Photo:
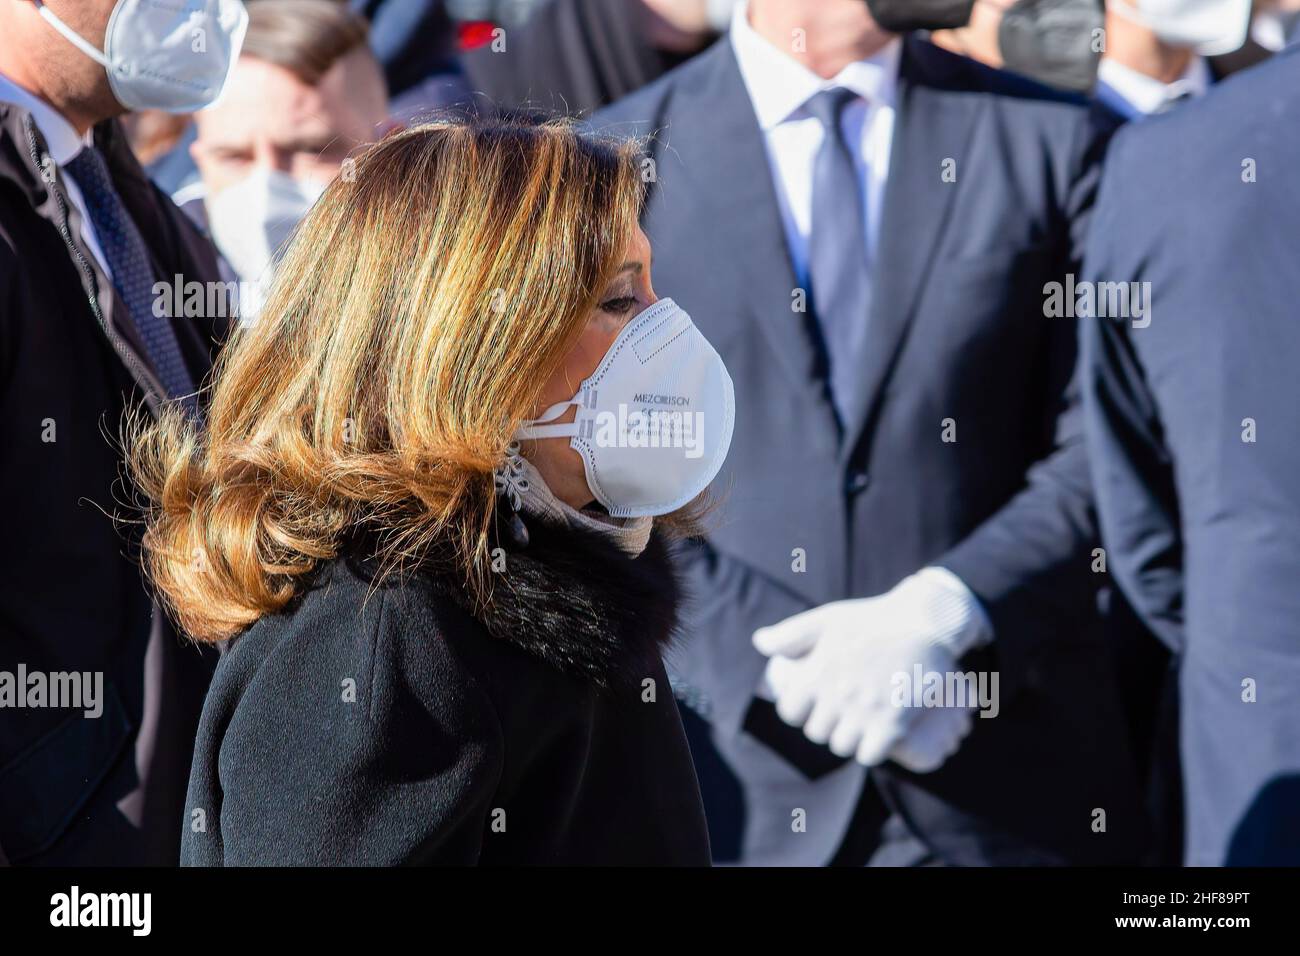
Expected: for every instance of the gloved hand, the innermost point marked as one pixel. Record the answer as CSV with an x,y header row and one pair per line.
x,y
833,669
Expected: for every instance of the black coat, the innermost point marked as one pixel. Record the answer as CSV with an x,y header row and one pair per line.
x,y
77,790
392,724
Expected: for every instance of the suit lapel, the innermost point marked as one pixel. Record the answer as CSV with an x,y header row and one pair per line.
x,y
928,129
722,151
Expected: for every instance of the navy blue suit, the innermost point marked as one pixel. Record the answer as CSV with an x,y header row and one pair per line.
x,y
1194,443
957,332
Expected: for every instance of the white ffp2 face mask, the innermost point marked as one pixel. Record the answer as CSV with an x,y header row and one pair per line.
x,y
251,219
654,420
170,55
1210,27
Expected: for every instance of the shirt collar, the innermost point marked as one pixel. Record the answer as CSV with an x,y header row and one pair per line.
x,y
631,535
1146,94
779,85
60,136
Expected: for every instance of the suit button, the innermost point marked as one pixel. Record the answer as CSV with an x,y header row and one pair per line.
x,y
856,482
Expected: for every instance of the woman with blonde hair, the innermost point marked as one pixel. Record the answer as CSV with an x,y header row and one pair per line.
x,y
426,520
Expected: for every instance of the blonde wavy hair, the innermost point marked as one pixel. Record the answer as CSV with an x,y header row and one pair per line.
x,y
420,308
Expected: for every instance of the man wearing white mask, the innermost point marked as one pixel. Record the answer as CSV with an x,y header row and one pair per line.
x,y
96,775
306,92
1156,51
1276,24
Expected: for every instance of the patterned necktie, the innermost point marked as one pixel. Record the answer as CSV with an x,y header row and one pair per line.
x,y
837,254
133,277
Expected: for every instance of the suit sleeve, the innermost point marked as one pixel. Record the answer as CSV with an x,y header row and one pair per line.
x,y
1132,470
1030,562
725,602
1134,480
402,772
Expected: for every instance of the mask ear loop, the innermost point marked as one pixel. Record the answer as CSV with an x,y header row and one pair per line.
x,y
72,36
542,427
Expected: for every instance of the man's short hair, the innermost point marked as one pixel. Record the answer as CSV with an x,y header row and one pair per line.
x,y
305,37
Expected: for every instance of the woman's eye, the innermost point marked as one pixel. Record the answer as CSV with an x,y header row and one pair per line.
x,y
619,306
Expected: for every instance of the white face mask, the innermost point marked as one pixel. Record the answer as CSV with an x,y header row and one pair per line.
x,y
1210,27
654,420
253,218
170,55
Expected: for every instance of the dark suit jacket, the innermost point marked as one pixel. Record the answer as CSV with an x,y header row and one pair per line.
x,y
569,57
957,332
1201,524
107,789
412,39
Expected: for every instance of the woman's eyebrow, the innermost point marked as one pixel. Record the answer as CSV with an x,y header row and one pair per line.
x,y
636,267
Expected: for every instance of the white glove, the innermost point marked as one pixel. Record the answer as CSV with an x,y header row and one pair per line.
x,y
833,669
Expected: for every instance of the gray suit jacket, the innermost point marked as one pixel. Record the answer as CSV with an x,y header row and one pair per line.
x,y
958,332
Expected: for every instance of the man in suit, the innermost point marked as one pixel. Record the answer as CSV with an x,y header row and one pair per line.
x,y
907,463
1191,431
1158,55
101,698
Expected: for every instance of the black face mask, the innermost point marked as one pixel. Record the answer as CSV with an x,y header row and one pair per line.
x,y
899,16
1052,41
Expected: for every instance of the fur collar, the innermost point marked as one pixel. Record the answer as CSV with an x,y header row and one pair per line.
x,y
577,601
571,598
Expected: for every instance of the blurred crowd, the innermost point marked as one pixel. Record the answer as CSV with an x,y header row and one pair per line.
x,y
925,454
348,75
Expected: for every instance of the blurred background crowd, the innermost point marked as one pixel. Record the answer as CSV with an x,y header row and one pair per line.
x,y
993,538
313,83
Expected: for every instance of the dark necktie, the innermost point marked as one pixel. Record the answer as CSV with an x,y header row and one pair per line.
x,y
133,277
837,254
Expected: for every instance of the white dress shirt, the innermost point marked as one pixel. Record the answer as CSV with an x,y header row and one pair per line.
x,y
1133,94
779,88
63,143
